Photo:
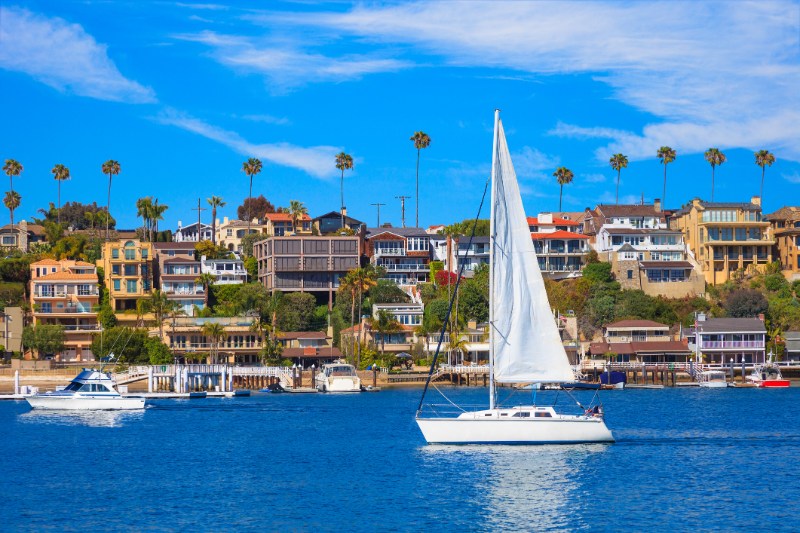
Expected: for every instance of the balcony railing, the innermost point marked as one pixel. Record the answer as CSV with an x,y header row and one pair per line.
x,y
722,345
82,327
390,252
409,267
80,309
220,273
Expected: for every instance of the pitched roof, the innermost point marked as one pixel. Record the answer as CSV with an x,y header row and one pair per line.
x,y
559,234
46,262
639,231
598,348
348,220
635,210
785,213
728,325
286,335
401,232
284,217
637,324
174,245
181,259
556,222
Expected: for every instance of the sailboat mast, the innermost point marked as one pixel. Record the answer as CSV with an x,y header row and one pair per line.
x,y
491,265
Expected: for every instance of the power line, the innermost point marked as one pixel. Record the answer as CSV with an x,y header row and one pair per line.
x,y
403,208
378,205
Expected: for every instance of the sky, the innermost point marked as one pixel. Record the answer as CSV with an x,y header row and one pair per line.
x,y
182,93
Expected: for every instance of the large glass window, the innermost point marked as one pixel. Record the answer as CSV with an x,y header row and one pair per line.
x,y
131,285
719,215
115,253
116,284
418,244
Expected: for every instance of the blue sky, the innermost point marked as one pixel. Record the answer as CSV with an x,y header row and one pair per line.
x,y
182,93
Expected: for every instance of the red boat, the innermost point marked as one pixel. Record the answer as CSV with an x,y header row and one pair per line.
x,y
768,377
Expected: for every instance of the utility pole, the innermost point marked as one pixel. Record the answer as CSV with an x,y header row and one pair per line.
x,y
403,208
378,205
198,209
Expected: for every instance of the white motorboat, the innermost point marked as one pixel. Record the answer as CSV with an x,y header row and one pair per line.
x,y
713,379
768,377
89,390
524,345
337,377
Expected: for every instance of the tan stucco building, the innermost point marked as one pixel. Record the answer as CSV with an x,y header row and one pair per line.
x,y
725,237
785,224
128,273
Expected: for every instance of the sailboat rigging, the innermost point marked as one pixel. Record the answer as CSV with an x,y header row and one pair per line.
x,y
524,345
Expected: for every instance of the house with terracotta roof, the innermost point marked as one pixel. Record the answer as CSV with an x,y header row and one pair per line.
x,y
560,249
640,341
785,224
66,293
280,224
404,253
725,238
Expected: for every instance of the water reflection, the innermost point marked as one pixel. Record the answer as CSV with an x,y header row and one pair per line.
x,y
530,488
110,419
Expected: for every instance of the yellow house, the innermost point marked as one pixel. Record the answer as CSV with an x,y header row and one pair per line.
x,y
725,237
128,273
786,227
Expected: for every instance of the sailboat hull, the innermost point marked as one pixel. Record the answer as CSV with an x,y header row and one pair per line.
x,y
492,427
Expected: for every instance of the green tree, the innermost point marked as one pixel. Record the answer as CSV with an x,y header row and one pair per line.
x,y
12,201
161,306
564,176
385,324
618,162
125,343
214,332
214,202
60,173
210,250
474,296
258,204
667,155
386,291
421,141
763,159
343,162
206,280
715,158
144,209
251,167
46,339
297,210
745,303
157,352
296,311
598,273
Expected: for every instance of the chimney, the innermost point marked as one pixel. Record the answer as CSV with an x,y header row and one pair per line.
x,y
216,222
760,315
657,205
180,225
225,220
756,200
344,210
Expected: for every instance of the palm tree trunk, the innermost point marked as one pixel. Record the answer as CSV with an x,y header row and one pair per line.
x,y
664,195
618,172
712,183
341,191
11,211
761,194
416,197
249,205
58,218
560,194
214,225
108,206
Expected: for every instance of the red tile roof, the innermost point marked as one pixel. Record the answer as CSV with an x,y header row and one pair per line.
x,y
556,222
284,217
324,352
560,234
302,335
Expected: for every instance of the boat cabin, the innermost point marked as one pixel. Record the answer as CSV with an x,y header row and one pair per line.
x,y
339,370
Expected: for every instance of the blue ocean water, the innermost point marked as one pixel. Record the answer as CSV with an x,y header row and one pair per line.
x,y
685,460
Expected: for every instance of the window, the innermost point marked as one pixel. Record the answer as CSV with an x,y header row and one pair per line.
x,y
115,270
115,253
630,274
116,284
131,285
418,244
229,232
130,254
719,216
130,270
9,240
144,253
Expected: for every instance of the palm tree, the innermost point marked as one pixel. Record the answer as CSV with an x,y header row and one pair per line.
x,y
251,167
144,209
618,162
214,202
12,168
110,168
421,140
365,278
564,176
215,333
156,214
206,279
385,324
348,285
60,173
763,159
667,155
343,162
297,210
12,201
161,306
714,158
91,218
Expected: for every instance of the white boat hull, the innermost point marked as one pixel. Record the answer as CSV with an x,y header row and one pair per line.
x,y
713,384
561,430
78,403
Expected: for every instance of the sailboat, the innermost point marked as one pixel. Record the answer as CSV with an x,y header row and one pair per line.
x,y
525,347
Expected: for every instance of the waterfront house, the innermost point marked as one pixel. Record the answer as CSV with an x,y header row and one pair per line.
x,y
21,236
185,337
190,232
792,351
305,348
225,271
306,263
640,341
178,281
331,223
66,293
560,249
725,238
785,224
726,340
11,326
403,252
128,272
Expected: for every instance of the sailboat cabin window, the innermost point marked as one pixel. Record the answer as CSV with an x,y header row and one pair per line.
x,y
522,414
543,414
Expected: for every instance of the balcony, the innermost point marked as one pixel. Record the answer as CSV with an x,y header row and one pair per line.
x,y
221,273
82,328
394,251
404,267
72,310
731,345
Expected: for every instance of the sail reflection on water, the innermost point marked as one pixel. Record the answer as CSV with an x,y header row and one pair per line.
x,y
523,490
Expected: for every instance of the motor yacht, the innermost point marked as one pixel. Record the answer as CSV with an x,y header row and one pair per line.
x,y
89,390
768,377
337,377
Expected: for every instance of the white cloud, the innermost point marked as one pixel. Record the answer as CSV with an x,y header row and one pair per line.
x,y
63,56
288,65
318,161
592,178
530,163
722,73
792,178
267,119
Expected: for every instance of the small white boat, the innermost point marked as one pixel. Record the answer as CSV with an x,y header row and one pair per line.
x,y
337,377
713,379
768,377
89,390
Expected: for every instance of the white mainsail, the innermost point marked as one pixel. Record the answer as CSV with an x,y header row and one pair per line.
x,y
525,342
